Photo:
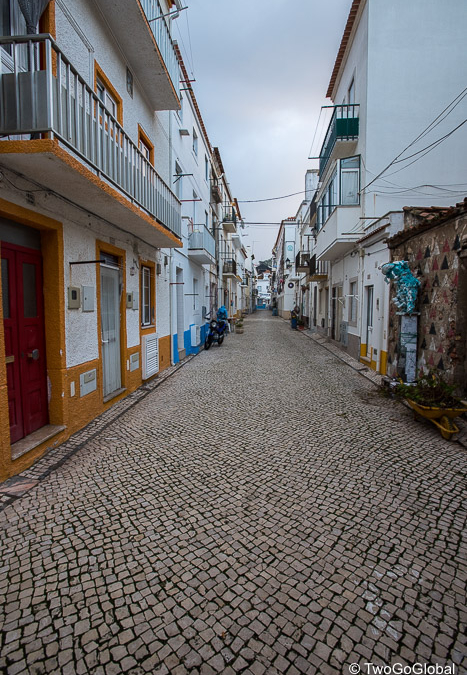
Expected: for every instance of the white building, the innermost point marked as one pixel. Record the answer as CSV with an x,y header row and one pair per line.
x,y
284,255
192,269
86,206
393,139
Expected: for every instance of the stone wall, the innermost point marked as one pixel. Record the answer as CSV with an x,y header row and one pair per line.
x,y
432,243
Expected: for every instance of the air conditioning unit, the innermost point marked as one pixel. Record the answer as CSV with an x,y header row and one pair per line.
x,y
150,350
195,335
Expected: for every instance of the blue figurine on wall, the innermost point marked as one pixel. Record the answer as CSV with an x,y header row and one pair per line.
x,y
406,285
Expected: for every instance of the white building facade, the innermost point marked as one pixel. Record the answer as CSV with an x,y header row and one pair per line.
x,y
393,139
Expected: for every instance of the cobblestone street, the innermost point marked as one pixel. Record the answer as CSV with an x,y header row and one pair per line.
x,y
264,510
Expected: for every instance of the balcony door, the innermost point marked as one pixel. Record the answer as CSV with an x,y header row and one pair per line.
x,y
110,329
23,321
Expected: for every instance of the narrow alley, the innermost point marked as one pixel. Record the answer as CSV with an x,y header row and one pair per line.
x,y
264,510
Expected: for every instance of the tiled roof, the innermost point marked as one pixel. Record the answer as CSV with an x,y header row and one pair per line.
x,y
370,234
344,42
429,216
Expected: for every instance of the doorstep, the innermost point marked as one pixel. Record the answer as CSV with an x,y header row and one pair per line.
x,y
30,442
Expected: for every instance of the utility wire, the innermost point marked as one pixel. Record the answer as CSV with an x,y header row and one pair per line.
x,y
431,126
269,199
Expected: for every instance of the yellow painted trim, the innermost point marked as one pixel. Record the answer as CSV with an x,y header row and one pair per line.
x,y
362,350
121,254
54,320
384,363
142,136
165,352
99,74
53,146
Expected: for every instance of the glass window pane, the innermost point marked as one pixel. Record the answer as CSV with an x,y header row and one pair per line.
x,y
5,27
29,291
350,162
349,187
5,289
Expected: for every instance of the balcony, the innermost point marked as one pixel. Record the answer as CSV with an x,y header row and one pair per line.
x,y
147,47
216,194
78,149
341,135
229,221
244,282
229,269
202,246
302,262
338,236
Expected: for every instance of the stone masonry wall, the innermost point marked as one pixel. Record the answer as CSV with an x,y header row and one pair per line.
x,y
433,256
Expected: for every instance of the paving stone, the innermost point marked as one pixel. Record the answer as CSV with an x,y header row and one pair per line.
x,y
211,529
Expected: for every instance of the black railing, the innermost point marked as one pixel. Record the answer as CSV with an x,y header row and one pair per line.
x,y
229,267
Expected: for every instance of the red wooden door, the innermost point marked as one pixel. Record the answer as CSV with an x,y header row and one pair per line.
x,y
23,315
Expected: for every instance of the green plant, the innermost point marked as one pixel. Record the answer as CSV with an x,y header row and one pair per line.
x,y
430,390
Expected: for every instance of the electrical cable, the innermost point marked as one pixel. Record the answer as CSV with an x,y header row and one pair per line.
x,y
269,199
460,96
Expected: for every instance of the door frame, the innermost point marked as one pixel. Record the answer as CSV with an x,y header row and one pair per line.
x,y
104,247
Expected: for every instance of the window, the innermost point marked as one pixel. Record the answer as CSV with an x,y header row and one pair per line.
x,y
350,179
206,168
106,98
107,94
353,302
178,180
195,294
341,190
206,219
351,92
147,305
195,201
195,142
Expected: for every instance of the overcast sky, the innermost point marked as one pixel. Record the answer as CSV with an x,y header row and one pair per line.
x,y
262,69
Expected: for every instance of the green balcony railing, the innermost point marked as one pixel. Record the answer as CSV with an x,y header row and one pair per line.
x,y
344,126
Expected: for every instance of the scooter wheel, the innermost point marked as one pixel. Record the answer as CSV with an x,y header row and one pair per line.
x,y
220,340
208,342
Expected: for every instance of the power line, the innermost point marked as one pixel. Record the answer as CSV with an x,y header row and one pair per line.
x,y
431,126
269,199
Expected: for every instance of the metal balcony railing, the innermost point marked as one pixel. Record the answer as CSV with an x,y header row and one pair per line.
x,y
161,33
343,126
302,261
44,94
202,239
229,215
229,267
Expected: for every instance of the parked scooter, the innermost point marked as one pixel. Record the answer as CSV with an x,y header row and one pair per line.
x,y
217,328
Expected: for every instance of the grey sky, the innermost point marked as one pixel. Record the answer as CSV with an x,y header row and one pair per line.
x,y
262,70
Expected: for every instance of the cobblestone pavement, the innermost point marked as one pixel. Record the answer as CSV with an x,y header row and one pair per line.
x,y
262,511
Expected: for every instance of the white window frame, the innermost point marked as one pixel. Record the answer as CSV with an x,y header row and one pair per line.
x,y
195,142
146,297
106,97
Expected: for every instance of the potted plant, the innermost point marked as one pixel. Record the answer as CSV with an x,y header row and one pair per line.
x,y
239,326
432,398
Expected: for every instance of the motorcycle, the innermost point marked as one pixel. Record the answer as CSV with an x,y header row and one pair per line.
x,y
216,332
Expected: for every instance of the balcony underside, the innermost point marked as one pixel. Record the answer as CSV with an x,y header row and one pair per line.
x,y
229,227
200,256
338,248
229,275
128,23
341,149
49,164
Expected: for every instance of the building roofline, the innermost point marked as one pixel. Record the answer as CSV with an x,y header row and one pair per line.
x,y
189,88
430,216
343,46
